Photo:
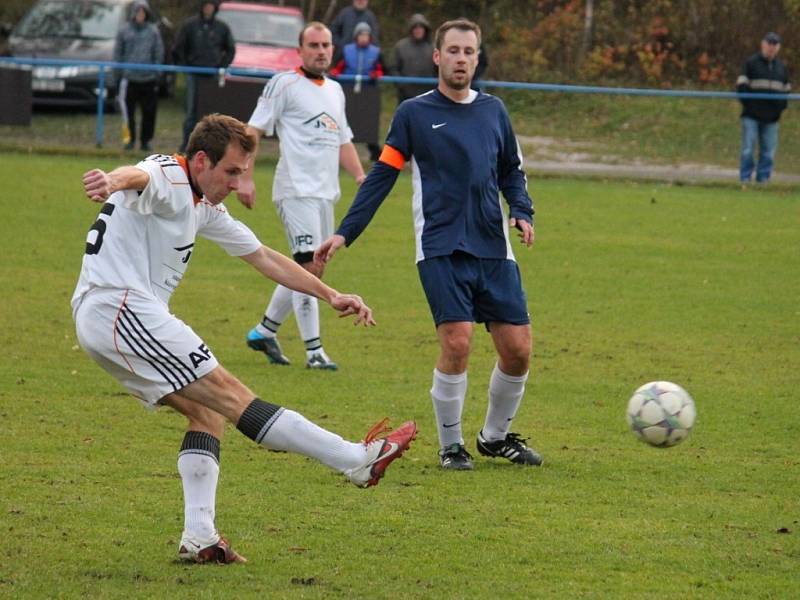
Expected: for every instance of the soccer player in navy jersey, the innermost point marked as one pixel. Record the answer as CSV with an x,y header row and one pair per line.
x,y
463,153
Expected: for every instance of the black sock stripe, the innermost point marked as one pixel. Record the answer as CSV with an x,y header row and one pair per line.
x,y
179,362
122,330
270,324
158,350
313,344
257,419
145,350
200,442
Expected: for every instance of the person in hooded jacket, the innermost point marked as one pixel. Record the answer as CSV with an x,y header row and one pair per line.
x,y
202,41
413,57
139,41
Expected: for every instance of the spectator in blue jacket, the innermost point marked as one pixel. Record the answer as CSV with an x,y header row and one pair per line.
x,y
362,58
139,41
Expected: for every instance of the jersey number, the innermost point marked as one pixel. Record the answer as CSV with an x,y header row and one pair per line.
x,y
94,242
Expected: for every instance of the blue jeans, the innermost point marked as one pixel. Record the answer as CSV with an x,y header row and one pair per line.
x,y
766,134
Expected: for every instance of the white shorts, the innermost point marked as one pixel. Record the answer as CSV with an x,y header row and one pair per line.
x,y
307,221
138,341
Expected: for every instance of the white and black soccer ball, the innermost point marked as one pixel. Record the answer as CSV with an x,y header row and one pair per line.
x,y
661,413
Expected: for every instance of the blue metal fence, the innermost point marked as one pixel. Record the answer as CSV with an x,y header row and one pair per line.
x,y
105,66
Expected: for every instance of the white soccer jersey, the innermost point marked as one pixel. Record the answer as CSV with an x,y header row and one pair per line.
x,y
309,117
143,241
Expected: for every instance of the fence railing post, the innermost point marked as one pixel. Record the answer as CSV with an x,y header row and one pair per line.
x,y
101,106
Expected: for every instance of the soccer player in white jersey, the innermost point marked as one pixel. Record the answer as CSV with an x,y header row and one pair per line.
x,y
136,255
307,111
463,153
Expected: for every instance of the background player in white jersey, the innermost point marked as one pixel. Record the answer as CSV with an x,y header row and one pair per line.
x,y
463,153
136,254
307,111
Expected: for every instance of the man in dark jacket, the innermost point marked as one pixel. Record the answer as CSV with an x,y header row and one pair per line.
x,y
345,23
203,41
139,41
413,57
762,73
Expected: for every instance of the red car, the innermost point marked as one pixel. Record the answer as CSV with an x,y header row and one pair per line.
x,y
265,34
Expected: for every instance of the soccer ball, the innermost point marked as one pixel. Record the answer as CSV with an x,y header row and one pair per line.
x,y
661,413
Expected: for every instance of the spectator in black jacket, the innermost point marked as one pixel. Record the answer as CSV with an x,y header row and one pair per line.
x,y
345,23
762,73
413,57
203,41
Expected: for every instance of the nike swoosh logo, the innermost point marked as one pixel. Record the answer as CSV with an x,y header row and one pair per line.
x,y
437,125
446,426
393,448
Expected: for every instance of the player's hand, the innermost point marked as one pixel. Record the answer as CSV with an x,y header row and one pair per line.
x,y
328,248
526,233
247,192
360,179
97,185
351,304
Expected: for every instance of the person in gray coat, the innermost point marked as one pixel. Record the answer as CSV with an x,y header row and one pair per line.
x,y
413,57
139,41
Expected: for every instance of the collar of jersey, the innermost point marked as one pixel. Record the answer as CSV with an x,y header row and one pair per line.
x,y
315,79
197,195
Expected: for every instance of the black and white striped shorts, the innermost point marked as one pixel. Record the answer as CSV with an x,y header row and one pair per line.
x,y
136,339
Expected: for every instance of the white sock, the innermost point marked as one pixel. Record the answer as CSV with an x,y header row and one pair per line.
x,y
292,432
306,312
199,474
448,393
279,307
505,395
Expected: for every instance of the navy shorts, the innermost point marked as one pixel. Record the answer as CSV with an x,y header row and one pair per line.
x,y
461,287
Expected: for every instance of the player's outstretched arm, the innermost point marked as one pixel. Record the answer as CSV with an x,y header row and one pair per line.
x,y
99,185
285,271
328,248
247,187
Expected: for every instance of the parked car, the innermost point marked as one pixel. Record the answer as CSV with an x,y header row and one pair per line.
x,y
81,30
266,35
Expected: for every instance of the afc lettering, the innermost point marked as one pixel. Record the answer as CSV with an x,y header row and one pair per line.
x,y
307,238
201,355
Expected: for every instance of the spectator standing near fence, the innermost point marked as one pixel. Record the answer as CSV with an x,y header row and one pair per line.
x,y
762,73
202,41
413,57
139,41
345,23
362,58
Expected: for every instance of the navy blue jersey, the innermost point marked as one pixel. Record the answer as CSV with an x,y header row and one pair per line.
x,y
462,156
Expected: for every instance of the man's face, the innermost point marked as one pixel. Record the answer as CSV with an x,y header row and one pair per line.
x,y
217,181
769,50
360,4
316,51
208,10
363,39
457,58
418,32
141,15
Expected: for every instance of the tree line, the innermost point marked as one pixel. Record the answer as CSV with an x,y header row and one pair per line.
x,y
663,43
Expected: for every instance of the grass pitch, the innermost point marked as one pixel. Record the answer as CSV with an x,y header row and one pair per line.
x,y
627,283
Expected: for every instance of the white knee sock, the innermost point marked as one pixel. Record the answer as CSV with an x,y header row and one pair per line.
x,y
292,432
306,312
199,474
448,393
280,305
505,395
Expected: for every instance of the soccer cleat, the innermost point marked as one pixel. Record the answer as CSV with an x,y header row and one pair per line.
x,y
319,360
269,346
512,447
381,452
220,552
456,458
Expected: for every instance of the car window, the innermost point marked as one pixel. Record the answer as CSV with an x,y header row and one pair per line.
x,y
262,28
83,19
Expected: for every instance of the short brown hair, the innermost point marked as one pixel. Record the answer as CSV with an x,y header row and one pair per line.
x,y
461,25
214,133
311,25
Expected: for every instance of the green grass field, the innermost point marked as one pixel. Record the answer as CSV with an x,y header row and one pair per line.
x,y
627,283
